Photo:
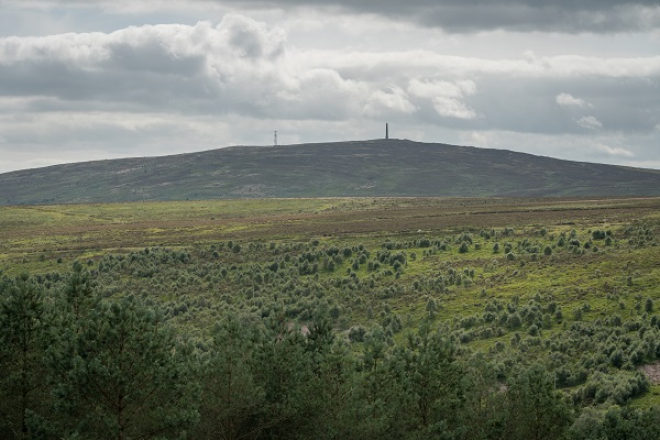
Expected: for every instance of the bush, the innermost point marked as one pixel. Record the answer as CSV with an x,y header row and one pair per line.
x,y
356,334
513,321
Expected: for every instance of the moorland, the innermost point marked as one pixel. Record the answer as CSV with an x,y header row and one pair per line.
x,y
374,168
465,318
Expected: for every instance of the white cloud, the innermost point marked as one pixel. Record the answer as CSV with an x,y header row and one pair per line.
x,y
595,147
477,139
417,62
446,96
590,123
446,89
567,100
394,100
652,164
614,151
238,66
452,108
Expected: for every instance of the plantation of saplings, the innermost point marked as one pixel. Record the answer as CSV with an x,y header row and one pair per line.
x,y
331,319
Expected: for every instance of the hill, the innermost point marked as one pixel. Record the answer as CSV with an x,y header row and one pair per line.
x,y
347,169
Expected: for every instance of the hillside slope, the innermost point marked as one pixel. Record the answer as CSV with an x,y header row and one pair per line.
x,y
364,168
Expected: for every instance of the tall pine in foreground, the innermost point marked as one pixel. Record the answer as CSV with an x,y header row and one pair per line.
x,y
434,387
23,338
129,377
233,400
536,410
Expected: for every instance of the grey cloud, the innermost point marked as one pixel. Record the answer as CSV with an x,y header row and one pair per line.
x,y
159,87
529,105
151,57
517,15
235,67
243,67
577,16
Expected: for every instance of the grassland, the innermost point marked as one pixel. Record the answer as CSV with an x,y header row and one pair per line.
x,y
69,231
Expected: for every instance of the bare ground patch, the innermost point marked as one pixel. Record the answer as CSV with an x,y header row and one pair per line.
x,y
652,371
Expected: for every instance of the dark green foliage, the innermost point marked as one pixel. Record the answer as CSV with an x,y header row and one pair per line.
x,y
299,351
24,328
123,374
232,399
616,423
536,411
356,334
601,388
464,248
599,234
434,386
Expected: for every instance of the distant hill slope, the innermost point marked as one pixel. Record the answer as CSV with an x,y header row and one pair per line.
x,y
364,168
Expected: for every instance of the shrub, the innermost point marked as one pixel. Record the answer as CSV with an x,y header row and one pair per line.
x,y
356,334
464,248
513,321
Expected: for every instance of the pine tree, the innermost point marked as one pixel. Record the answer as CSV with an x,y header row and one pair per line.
x,y
232,399
376,398
433,384
536,411
285,370
78,295
129,377
23,328
335,396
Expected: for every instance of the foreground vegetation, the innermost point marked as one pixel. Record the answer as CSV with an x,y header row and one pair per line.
x,y
332,318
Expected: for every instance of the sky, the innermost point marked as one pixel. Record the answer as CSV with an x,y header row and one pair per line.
x,y
91,80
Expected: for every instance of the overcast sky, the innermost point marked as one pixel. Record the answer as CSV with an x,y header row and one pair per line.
x,y
86,80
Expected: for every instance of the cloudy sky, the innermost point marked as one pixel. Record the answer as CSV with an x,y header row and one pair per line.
x,y
86,80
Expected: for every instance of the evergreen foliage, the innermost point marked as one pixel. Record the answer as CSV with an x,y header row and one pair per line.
x,y
322,340
23,340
